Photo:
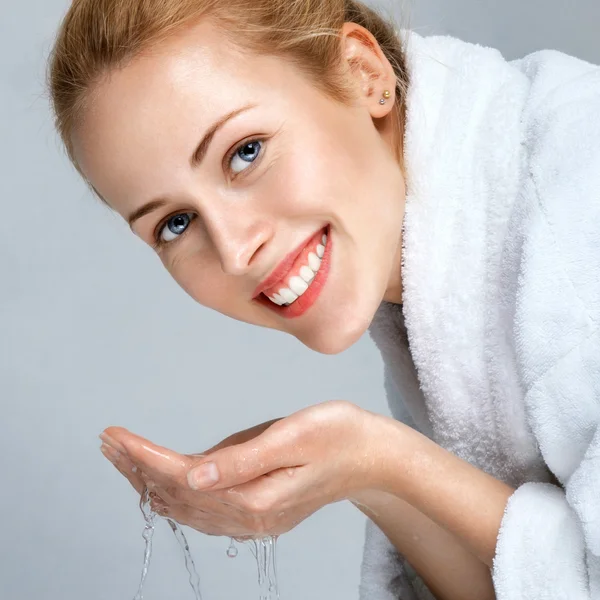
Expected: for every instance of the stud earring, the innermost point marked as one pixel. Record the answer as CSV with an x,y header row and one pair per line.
x,y
386,94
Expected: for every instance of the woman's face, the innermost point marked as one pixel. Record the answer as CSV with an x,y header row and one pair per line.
x,y
249,206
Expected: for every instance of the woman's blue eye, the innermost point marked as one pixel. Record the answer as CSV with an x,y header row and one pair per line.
x,y
244,156
174,227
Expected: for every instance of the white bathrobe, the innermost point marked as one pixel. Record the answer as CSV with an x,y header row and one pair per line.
x,y
495,353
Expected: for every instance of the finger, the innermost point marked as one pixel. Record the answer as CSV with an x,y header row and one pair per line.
x,y
125,467
173,497
206,504
269,494
242,436
189,516
273,449
157,461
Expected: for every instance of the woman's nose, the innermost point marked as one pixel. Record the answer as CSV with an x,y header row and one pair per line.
x,y
239,245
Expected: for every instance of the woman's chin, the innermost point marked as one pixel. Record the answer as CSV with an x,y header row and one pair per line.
x,y
336,338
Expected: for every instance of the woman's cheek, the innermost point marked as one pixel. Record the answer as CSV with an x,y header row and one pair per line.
x,y
190,273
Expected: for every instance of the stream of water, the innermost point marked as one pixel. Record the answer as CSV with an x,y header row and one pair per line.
x,y
264,551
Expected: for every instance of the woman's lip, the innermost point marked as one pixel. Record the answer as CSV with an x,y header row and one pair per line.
x,y
304,303
285,266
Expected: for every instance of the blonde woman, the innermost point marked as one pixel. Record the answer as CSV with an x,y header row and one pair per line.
x,y
303,166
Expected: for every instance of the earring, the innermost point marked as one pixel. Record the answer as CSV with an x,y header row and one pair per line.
x,y
387,94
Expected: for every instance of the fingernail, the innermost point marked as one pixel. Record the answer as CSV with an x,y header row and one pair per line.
x,y
112,442
110,453
203,476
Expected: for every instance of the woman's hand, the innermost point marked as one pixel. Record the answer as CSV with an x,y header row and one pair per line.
x,y
270,477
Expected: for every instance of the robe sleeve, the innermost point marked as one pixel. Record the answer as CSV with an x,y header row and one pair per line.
x,y
549,541
548,546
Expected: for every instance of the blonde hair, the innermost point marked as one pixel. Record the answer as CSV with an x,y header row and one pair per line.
x,y
97,36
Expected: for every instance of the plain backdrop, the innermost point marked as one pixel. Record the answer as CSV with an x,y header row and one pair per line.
x,y
93,332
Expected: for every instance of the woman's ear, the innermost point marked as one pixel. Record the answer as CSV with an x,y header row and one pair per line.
x,y
369,68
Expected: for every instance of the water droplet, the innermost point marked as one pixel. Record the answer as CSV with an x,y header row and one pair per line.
x,y
232,551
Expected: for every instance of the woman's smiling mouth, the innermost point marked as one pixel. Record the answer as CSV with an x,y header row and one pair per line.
x,y
294,293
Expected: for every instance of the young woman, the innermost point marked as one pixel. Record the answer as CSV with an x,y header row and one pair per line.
x,y
304,166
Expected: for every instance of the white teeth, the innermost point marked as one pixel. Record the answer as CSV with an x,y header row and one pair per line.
x,y
288,295
298,285
314,262
307,274
278,299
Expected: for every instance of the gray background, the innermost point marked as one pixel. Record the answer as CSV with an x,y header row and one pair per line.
x,y
93,332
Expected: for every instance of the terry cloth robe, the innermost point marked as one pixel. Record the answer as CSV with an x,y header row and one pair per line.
x,y
495,352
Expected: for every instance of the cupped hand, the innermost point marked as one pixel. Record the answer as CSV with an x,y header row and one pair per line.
x,y
269,478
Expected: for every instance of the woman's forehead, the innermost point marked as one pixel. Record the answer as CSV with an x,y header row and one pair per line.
x,y
196,69
146,118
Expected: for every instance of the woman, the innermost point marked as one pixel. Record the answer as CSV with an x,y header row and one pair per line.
x,y
303,166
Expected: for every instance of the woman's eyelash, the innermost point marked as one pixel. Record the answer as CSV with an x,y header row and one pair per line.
x,y
230,155
158,241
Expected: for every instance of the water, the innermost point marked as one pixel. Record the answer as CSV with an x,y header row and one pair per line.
x,y
189,561
232,551
264,550
150,518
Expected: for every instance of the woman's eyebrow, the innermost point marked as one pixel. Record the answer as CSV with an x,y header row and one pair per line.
x,y
195,160
202,148
144,210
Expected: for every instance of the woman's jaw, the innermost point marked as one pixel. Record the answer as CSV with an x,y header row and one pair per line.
x,y
340,299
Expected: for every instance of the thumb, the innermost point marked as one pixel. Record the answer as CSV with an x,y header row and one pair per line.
x,y
234,465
